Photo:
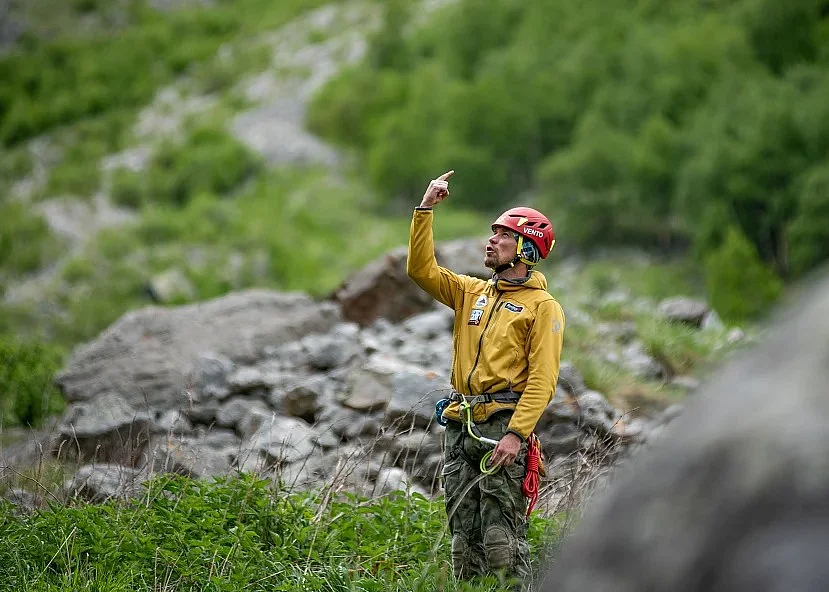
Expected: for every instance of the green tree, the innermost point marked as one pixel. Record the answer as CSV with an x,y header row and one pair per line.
x,y
809,233
783,33
746,152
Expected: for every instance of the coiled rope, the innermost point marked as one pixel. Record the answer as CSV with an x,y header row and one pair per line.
x,y
530,486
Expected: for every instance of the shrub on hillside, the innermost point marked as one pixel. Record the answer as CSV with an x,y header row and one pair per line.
x,y
27,392
209,161
26,243
740,285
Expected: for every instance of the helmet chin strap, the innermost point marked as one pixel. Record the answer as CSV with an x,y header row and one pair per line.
x,y
505,266
518,258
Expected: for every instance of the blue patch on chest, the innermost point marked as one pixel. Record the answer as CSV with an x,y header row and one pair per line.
x,y
513,307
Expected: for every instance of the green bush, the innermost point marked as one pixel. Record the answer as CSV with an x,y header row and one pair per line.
x,y
14,165
740,286
209,161
678,347
26,243
83,145
65,80
27,391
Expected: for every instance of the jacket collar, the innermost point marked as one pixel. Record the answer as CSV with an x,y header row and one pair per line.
x,y
535,281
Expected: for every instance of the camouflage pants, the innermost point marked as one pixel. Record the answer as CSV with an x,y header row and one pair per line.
x,y
487,521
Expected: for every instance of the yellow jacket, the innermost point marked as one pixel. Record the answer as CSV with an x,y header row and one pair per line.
x,y
506,335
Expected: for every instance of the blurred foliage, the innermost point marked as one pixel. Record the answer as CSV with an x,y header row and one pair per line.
x,y
807,231
657,124
27,392
208,161
740,285
26,243
54,81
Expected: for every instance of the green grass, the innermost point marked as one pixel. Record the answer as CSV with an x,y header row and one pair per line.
x,y
655,278
236,533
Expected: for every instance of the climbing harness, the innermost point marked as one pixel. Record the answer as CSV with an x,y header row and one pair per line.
x,y
535,469
532,478
465,409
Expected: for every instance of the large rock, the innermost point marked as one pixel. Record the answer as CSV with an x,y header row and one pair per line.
x,y
734,497
383,289
206,455
151,356
107,429
406,392
24,502
684,310
97,483
282,440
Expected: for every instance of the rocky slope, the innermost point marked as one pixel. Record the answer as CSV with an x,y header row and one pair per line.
x,y
337,393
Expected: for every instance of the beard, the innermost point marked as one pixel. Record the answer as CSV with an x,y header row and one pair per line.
x,y
491,260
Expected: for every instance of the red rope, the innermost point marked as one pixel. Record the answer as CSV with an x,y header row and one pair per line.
x,y
531,480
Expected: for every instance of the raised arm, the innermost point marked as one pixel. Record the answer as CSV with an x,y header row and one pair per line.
x,y
440,283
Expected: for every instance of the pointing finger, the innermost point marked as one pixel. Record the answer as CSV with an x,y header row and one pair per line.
x,y
446,175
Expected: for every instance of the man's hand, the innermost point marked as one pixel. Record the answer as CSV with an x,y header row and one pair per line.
x,y
506,451
437,191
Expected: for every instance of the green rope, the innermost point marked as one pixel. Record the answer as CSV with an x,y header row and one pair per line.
x,y
466,408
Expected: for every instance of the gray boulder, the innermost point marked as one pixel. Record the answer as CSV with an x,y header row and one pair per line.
x,y
734,497
199,456
684,310
151,357
383,289
282,440
107,429
100,482
24,502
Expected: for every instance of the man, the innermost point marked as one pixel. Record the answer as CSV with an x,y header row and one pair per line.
x,y
507,344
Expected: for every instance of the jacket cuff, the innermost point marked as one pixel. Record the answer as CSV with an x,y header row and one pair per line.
x,y
511,431
425,208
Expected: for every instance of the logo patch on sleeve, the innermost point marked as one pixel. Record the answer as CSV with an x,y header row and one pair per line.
x,y
475,316
513,307
481,301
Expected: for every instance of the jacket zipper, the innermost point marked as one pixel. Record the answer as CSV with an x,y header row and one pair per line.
x,y
480,343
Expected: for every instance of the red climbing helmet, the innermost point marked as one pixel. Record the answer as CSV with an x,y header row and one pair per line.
x,y
532,225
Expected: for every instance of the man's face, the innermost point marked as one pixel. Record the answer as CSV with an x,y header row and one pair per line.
x,y
501,248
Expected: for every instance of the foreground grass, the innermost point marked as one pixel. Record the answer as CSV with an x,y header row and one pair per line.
x,y
234,534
